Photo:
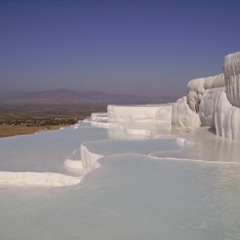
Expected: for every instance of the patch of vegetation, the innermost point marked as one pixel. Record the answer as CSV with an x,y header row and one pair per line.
x,y
19,119
14,130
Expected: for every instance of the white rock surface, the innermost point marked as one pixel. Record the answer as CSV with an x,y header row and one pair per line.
x,y
231,70
197,88
117,113
226,117
183,116
99,116
37,179
206,108
226,104
164,113
89,159
190,111
103,124
151,188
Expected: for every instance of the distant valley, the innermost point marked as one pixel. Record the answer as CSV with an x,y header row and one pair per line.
x,y
70,97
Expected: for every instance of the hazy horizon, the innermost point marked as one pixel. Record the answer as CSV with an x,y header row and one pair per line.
x,y
145,48
84,92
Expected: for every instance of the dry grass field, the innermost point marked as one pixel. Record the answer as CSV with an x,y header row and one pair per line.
x,y
13,130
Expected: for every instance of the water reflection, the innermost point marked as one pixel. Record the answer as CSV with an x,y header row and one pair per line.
x,y
210,147
206,145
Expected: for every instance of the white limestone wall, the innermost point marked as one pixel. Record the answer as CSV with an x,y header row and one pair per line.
x,y
164,113
106,125
99,116
183,116
126,114
231,71
74,162
206,108
89,159
197,88
226,104
190,111
226,118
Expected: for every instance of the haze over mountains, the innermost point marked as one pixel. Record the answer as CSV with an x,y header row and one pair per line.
x,y
68,97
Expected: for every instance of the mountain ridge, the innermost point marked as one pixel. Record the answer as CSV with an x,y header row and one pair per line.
x,y
67,97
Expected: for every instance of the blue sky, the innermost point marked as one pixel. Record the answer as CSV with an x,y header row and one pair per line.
x,y
146,48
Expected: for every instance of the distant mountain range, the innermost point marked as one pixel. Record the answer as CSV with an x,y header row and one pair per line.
x,y
69,97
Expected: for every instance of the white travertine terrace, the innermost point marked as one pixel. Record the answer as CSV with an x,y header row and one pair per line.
x,y
226,104
99,116
183,116
38,179
197,88
154,178
136,178
231,71
103,124
187,112
117,113
226,117
164,113
206,108
213,101
89,159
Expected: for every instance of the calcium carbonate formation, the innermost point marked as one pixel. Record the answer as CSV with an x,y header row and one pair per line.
x,y
188,111
213,101
226,106
197,88
128,114
183,115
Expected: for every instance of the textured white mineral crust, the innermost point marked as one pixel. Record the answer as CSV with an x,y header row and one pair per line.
x,y
226,117
188,111
37,179
164,113
99,116
126,114
231,71
206,108
183,116
197,88
89,159
226,104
